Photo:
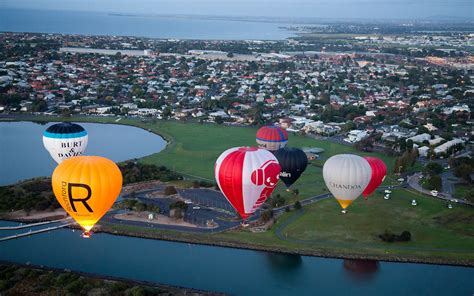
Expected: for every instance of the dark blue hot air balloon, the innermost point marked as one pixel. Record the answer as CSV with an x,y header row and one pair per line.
x,y
293,162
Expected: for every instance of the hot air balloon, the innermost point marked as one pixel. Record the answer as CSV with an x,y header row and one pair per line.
x,y
293,162
86,187
247,176
64,140
379,171
346,176
271,137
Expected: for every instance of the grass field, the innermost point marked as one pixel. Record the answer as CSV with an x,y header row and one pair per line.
x,y
437,232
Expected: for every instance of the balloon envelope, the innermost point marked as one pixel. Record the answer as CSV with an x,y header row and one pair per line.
x,y
271,137
65,140
247,176
346,176
379,171
293,162
86,187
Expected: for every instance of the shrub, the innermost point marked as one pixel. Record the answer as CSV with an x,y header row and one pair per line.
x,y
297,205
267,215
170,190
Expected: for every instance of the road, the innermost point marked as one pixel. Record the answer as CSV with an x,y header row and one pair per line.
x,y
414,182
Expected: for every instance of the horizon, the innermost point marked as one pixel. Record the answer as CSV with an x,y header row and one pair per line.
x,y
421,10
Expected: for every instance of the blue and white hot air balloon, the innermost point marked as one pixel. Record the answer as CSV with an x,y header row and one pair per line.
x,y
65,140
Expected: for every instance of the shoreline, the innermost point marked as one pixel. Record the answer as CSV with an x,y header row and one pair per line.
x,y
171,288
279,250
286,251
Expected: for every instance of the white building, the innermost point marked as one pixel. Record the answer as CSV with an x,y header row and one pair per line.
x,y
355,136
423,151
420,138
444,147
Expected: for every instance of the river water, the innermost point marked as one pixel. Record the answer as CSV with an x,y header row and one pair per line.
x,y
23,156
234,271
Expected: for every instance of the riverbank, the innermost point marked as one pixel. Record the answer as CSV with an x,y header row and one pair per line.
x,y
439,235
30,279
213,241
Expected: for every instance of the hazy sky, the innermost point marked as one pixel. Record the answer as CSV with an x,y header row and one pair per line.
x,y
392,9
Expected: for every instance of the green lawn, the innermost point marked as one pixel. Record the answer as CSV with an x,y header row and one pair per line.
x,y
437,232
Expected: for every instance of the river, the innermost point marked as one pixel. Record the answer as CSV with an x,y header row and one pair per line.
x,y
23,156
234,271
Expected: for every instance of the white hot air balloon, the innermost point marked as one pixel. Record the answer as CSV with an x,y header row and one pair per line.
x,y
65,140
346,176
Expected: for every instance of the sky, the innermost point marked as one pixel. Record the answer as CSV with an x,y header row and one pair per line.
x,y
334,9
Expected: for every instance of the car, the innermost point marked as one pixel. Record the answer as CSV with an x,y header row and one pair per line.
x,y
388,191
188,202
454,200
196,208
413,203
400,179
387,196
434,192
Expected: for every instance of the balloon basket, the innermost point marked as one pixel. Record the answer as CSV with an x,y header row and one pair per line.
x,y
288,190
344,211
244,224
86,234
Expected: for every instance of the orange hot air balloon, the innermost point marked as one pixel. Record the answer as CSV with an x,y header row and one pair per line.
x,y
87,187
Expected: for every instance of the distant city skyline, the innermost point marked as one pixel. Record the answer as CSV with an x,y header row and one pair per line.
x,y
335,9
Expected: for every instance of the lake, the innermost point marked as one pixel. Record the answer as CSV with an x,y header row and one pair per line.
x,y
101,23
234,271
23,156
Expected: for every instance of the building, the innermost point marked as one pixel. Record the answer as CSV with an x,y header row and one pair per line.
x,y
355,136
423,151
446,146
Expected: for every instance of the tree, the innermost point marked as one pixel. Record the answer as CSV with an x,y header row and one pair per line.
x,y
296,192
140,207
170,190
39,106
267,215
434,168
196,184
219,120
463,171
167,112
434,183
297,205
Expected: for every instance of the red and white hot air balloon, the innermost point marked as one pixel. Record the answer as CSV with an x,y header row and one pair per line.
x,y
379,171
271,137
247,176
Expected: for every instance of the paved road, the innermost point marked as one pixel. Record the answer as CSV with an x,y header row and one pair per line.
x,y
414,182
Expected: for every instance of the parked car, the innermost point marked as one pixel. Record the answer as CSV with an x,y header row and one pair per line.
x,y
188,202
196,208
434,192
